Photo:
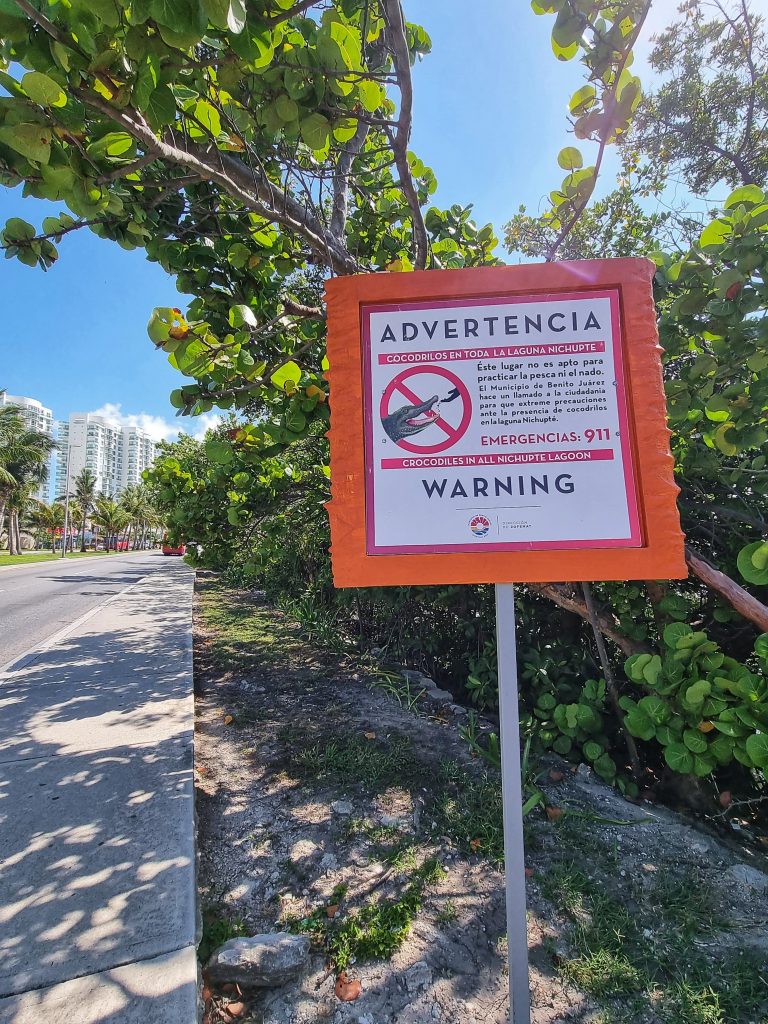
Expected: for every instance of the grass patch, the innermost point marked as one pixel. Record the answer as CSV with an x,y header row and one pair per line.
x,y
374,765
646,963
469,811
372,932
244,633
33,557
218,927
447,914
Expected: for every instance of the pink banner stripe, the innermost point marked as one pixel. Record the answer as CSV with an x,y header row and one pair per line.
x,y
510,459
450,355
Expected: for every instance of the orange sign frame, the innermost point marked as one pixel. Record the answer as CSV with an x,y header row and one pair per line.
x,y
661,555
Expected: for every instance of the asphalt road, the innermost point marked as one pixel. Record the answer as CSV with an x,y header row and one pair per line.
x,y
38,601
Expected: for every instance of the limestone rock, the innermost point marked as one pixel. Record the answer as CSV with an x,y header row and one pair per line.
x,y
439,696
418,976
262,961
747,876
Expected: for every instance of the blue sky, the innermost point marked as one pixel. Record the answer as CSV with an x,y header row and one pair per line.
x,y
489,118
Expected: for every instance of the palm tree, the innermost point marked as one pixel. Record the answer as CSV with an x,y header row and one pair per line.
x,y
85,492
136,499
24,456
49,518
110,516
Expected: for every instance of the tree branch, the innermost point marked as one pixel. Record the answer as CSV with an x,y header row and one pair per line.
x,y
563,599
121,172
297,309
246,184
737,597
292,12
400,133
341,181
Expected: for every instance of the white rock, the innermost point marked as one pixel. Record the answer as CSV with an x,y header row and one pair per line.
x,y
262,961
750,877
418,975
329,862
342,807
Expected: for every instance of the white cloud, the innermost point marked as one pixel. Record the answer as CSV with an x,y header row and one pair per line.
x,y
198,425
158,428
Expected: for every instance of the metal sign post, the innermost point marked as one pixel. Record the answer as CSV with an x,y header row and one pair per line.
x,y
512,799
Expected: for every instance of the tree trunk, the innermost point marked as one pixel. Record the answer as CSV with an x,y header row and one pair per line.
x,y
2,518
82,535
16,532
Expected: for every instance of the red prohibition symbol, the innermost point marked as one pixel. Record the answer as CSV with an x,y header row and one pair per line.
x,y
398,384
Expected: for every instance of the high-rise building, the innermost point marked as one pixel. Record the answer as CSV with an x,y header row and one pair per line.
x,y
138,454
115,455
36,417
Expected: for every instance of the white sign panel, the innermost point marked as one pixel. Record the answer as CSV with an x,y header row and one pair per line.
x,y
497,423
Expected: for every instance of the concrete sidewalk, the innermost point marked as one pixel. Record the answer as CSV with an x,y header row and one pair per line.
x,y
98,915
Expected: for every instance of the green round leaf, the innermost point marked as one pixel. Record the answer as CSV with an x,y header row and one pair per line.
x,y
752,563
748,194
562,745
315,130
31,140
43,90
287,109
679,758
757,748
570,159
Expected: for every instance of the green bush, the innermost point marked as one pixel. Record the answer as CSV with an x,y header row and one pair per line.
x,y
706,709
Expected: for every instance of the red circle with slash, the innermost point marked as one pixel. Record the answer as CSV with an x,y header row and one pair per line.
x,y
454,433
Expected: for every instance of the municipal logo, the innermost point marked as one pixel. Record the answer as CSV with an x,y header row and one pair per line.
x,y
479,525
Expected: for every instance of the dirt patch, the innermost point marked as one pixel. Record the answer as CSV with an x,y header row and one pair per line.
x,y
328,805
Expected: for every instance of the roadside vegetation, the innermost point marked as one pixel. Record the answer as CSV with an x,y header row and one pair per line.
x,y
385,841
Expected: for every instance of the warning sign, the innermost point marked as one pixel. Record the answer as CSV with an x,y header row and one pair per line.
x,y
509,418
500,424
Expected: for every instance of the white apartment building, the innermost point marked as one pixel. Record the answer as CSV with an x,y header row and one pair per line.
x,y
116,455
38,418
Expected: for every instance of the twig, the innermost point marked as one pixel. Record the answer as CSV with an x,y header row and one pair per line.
x,y
610,680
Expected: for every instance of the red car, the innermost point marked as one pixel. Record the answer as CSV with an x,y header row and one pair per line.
x,y
169,550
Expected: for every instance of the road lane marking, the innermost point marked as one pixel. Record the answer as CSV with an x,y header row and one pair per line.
x,y
33,653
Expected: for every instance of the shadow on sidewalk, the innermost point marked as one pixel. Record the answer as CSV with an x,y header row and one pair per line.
x,y
96,805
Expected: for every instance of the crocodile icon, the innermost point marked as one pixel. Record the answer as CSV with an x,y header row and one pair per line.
x,y
406,421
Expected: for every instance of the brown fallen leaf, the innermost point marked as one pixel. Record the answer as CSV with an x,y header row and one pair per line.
x,y
206,993
332,910
529,872
370,735
228,719
554,813
474,845
556,776
726,799
347,991
234,1010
